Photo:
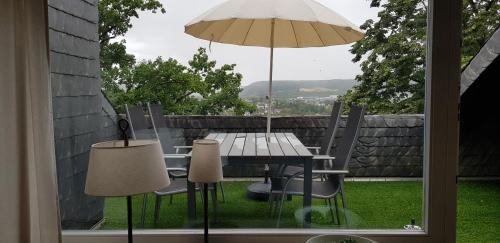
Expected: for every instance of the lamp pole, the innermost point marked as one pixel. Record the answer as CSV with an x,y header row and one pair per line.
x,y
205,210
123,125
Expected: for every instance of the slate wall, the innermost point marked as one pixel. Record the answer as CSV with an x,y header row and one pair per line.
x,y
82,115
388,145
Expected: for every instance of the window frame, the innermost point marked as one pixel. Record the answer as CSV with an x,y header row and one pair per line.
x,y
440,157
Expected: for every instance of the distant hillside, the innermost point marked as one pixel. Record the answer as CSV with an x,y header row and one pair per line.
x,y
297,88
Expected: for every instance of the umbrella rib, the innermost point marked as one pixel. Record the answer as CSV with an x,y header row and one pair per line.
x,y
345,41
317,33
248,31
294,33
227,28
206,28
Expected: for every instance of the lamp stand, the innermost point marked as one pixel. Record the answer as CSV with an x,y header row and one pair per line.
x,y
205,211
129,218
123,125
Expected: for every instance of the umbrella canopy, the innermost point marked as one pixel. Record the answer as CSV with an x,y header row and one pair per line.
x,y
297,23
274,23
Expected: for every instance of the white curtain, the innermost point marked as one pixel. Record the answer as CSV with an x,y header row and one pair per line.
x,y
28,188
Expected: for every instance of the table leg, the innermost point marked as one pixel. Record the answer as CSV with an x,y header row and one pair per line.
x,y
191,197
307,192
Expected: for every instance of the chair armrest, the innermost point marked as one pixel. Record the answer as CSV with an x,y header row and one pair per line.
x,y
179,147
315,148
183,146
176,169
331,172
174,156
323,157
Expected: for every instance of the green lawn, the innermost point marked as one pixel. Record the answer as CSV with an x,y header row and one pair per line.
x,y
383,205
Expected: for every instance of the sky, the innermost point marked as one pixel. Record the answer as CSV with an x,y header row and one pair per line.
x,y
154,35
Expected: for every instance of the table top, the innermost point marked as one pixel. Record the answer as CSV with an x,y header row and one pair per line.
x,y
256,145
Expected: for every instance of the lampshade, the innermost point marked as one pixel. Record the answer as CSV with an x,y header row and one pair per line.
x,y
206,165
116,170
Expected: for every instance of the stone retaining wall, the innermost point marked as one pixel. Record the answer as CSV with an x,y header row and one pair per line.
x,y
388,145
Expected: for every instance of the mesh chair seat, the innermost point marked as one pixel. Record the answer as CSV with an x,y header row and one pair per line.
x,y
320,189
178,174
175,187
292,170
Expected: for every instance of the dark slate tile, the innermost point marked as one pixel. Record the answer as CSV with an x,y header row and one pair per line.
x,y
64,22
69,85
75,106
373,121
82,9
70,126
72,146
72,65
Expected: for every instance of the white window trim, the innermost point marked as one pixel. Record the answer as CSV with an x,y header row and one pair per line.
x,y
440,157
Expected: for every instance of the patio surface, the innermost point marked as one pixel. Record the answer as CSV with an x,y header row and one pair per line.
x,y
374,204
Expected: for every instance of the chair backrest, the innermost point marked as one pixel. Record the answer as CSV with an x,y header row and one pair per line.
x,y
349,139
139,126
167,138
327,142
156,115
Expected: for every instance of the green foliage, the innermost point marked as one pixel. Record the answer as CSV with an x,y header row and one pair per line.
x,y
480,19
200,88
287,107
114,21
115,16
392,53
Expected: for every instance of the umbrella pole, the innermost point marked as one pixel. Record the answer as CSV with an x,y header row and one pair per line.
x,y
270,90
269,98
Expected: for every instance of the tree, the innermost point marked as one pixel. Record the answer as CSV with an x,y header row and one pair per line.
x,y
392,53
200,89
115,18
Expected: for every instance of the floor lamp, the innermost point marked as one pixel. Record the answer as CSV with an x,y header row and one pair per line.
x,y
126,168
205,167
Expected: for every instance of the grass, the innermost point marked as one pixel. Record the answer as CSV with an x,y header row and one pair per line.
x,y
478,212
382,205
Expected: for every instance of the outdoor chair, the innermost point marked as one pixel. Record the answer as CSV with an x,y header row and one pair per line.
x,y
326,143
334,171
161,131
140,129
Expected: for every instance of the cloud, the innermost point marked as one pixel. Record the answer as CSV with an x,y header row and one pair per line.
x,y
163,35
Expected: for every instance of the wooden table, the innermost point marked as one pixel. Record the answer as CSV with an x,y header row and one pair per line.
x,y
254,148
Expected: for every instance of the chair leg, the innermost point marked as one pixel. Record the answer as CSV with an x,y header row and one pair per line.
x,y
329,200
271,204
201,194
337,210
171,199
214,201
144,205
280,208
222,192
157,209
345,207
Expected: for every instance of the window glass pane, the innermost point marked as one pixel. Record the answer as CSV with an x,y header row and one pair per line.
x,y
379,145
479,168
384,72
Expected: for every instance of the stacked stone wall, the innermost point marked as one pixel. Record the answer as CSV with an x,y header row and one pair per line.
x,y
388,145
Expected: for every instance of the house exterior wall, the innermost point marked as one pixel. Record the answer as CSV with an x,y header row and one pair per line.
x,y
82,115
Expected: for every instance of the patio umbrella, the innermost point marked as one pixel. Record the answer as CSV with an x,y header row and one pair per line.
x,y
274,24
